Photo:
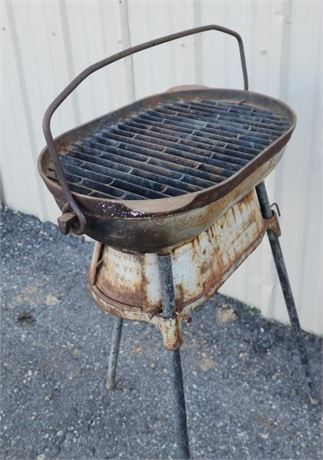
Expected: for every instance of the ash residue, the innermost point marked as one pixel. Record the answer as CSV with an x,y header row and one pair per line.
x,y
118,210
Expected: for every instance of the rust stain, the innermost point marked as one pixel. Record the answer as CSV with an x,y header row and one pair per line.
x,y
205,267
196,243
170,328
96,257
180,294
115,282
200,267
210,230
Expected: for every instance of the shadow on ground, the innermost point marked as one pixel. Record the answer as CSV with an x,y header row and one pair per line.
x,y
246,397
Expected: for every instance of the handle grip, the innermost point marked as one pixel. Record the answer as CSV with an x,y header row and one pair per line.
x,y
79,224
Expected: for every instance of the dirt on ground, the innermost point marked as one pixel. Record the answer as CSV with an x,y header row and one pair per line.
x,y
245,387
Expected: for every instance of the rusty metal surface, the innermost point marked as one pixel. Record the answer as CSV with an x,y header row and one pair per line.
x,y
128,285
159,233
137,225
69,199
150,225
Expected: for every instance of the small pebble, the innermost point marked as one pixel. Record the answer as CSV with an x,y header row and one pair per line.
x,y
60,434
41,457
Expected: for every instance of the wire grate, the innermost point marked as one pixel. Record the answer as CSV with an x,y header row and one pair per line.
x,y
169,150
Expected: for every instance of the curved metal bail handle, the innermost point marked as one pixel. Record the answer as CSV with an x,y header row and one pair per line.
x,y
79,227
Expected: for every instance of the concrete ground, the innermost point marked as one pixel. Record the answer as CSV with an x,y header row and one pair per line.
x,y
245,390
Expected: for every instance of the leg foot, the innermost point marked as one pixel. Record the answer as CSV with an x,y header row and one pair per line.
x,y
114,353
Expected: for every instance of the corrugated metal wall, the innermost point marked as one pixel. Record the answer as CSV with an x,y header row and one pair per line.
x,y
45,44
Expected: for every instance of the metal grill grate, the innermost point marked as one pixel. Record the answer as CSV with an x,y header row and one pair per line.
x,y
169,150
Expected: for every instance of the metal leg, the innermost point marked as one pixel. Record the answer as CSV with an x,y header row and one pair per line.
x,y
286,288
168,301
114,352
180,409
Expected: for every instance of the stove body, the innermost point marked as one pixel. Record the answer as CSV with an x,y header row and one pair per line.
x,y
127,284
171,188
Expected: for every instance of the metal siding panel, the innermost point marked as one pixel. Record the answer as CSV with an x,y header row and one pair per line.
x,y
20,190
168,65
295,184
95,31
55,40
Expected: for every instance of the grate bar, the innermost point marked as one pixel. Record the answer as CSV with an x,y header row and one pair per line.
x,y
169,150
217,125
181,151
167,162
263,121
87,187
190,146
99,174
246,110
214,120
201,128
179,157
174,187
259,125
226,154
182,133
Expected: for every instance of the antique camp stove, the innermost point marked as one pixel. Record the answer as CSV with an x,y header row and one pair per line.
x,y
171,188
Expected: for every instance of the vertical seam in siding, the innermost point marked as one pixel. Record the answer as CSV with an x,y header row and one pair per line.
x,y
105,45
69,59
197,12
126,40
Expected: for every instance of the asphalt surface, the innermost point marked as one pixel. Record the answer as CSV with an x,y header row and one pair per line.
x,y
245,391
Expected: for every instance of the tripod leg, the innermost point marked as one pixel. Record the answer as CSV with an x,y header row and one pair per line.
x,y
287,291
168,301
114,352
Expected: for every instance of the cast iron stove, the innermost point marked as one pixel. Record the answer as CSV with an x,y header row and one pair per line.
x,y
171,188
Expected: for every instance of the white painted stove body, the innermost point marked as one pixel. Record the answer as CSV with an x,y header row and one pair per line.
x,y
128,285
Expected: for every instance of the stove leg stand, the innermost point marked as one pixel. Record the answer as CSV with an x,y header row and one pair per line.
x,y
114,353
168,302
286,288
180,410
